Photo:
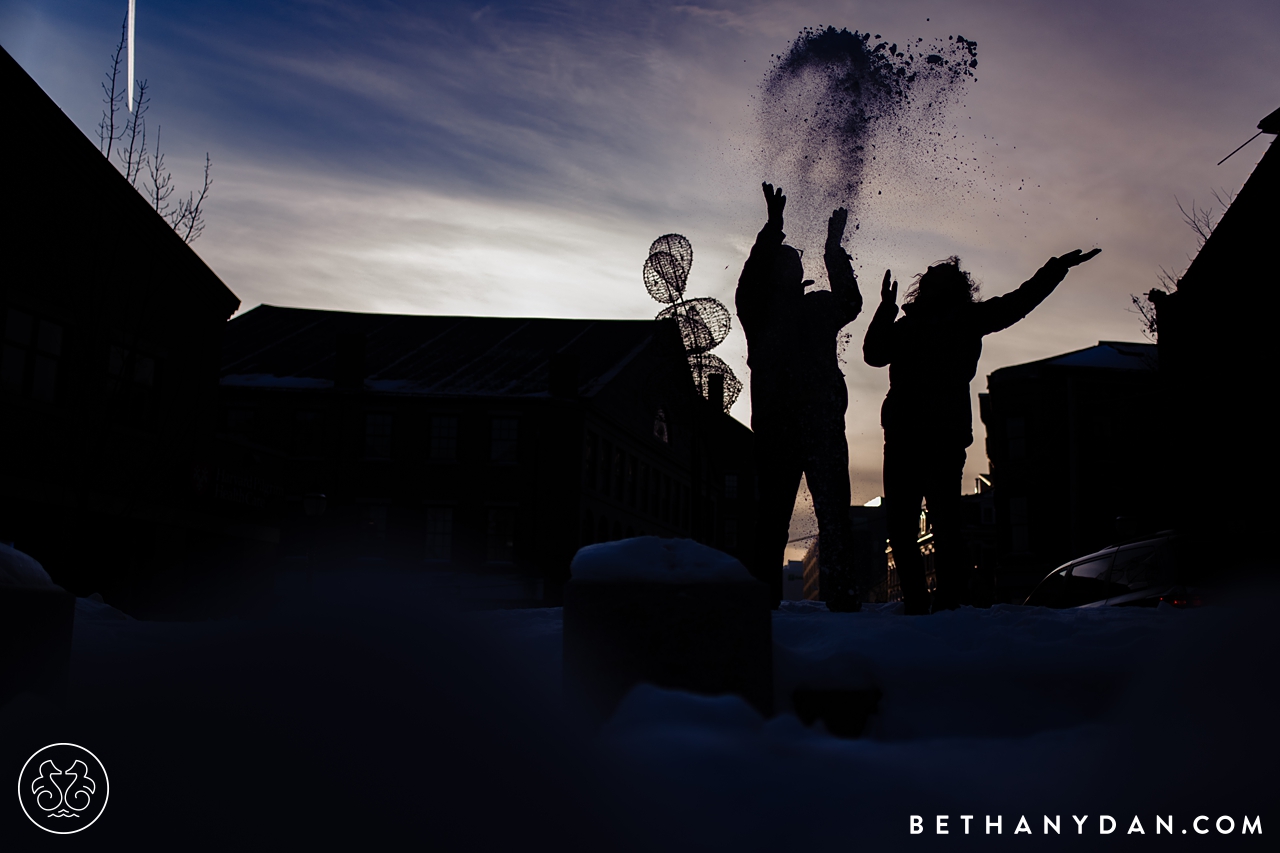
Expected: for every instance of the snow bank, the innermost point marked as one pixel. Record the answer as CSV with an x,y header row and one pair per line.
x,y
651,559
22,570
95,609
1004,712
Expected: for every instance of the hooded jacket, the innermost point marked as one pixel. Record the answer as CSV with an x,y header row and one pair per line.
x,y
791,335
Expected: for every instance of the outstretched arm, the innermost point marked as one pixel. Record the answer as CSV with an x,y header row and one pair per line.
x,y
758,268
844,284
877,346
1001,312
770,236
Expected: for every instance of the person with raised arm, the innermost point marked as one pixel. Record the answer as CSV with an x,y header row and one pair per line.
x,y
932,352
798,397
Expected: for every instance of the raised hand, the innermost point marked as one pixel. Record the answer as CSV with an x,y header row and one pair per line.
x,y
1076,258
775,201
835,226
889,292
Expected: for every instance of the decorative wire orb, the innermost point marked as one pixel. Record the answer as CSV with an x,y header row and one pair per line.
x,y
663,277
704,366
704,323
678,247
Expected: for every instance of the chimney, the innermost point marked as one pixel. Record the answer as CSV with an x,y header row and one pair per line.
x,y
715,390
349,368
562,380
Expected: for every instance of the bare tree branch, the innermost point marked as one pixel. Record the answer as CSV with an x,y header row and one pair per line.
x,y
108,135
135,131
188,218
1201,220
161,180
144,169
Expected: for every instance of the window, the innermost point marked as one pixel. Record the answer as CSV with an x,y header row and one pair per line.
x,y
606,463
660,426
731,486
1088,581
1018,517
631,480
308,433
127,366
730,533
1017,435
29,360
440,533
500,540
591,453
503,441
619,476
377,436
240,421
444,439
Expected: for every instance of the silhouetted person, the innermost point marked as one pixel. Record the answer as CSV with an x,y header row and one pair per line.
x,y
932,353
798,396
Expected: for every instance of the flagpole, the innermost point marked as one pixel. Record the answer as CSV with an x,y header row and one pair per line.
x,y
131,15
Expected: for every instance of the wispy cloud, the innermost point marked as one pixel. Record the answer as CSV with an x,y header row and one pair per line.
x,y
517,158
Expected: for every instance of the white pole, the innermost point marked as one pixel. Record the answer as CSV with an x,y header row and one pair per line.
x,y
130,82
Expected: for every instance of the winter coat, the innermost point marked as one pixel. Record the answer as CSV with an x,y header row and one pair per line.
x,y
932,353
791,335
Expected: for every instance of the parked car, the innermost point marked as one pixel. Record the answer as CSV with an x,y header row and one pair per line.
x,y
1140,573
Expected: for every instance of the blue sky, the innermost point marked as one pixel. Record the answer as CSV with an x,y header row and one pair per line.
x,y
518,158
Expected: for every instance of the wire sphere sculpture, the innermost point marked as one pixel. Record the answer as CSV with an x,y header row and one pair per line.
x,y
704,323
679,248
664,278
705,365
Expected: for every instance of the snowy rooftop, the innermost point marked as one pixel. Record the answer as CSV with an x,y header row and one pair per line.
x,y
1107,355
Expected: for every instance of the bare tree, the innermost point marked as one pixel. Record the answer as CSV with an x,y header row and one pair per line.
x,y
161,180
108,135
144,169
133,156
1201,220
188,218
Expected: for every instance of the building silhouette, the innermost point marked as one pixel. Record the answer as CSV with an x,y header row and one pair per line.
x,y
112,329
490,448
1214,351
870,563
1069,443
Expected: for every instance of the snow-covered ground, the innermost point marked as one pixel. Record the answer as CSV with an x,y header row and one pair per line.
x,y
367,706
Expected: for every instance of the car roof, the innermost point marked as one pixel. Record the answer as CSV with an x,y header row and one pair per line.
x,y
1162,536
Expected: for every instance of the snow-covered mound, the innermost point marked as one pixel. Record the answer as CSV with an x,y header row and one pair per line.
x,y
1000,714
22,570
651,559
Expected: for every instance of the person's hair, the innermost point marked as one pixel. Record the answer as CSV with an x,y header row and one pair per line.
x,y
943,282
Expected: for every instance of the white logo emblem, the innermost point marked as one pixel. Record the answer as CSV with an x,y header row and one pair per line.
x,y
63,788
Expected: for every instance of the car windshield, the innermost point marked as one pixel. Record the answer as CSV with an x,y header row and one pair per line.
x,y
1088,581
1049,592
1140,565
